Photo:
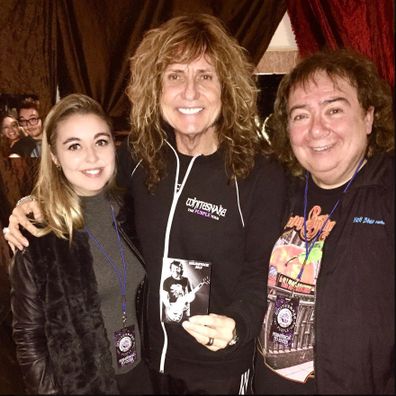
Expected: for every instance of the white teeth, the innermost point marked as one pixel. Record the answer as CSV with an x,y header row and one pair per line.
x,y
320,148
190,110
92,171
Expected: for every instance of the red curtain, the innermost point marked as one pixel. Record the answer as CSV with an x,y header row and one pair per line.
x,y
367,26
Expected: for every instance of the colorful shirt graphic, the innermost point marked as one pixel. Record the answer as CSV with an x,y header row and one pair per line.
x,y
287,335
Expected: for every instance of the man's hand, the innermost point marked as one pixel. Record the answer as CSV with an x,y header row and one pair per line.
x,y
204,328
19,218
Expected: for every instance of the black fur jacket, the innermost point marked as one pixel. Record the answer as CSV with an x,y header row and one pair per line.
x,y
57,323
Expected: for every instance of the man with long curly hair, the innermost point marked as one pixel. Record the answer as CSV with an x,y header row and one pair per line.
x,y
202,190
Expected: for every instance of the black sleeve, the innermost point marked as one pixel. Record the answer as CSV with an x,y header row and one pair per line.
x,y
263,226
28,327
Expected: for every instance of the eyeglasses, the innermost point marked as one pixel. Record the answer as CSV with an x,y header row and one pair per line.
x,y
31,121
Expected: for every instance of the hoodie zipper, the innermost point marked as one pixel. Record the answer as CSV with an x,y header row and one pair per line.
x,y
176,195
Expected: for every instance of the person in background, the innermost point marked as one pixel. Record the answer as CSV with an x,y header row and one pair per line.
x,y
73,289
29,118
329,326
201,186
10,129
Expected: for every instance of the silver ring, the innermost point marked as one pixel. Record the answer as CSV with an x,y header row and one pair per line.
x,y
25,199
210,341
6,230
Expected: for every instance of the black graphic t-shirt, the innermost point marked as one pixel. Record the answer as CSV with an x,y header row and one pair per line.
x,y
287,336
177,290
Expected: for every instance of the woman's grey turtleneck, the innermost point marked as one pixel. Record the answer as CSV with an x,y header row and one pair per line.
x,y
99,221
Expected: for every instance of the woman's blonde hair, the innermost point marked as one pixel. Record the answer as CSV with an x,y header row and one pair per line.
x,y
59,203
182,40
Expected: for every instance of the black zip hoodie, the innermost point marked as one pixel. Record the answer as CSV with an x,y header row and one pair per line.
x,y
354,318
237,242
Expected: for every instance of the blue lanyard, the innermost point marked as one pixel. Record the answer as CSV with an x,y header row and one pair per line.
x,y
121,277
309,248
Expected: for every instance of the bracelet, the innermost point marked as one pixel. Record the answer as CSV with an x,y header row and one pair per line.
x,y
25,199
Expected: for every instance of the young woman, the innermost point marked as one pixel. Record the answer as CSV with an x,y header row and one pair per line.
x,y
10,131
74,288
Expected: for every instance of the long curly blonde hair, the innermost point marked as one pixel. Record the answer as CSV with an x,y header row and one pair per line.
x,y
182,40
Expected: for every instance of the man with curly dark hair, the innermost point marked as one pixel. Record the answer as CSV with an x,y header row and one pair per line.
x,y
329,326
